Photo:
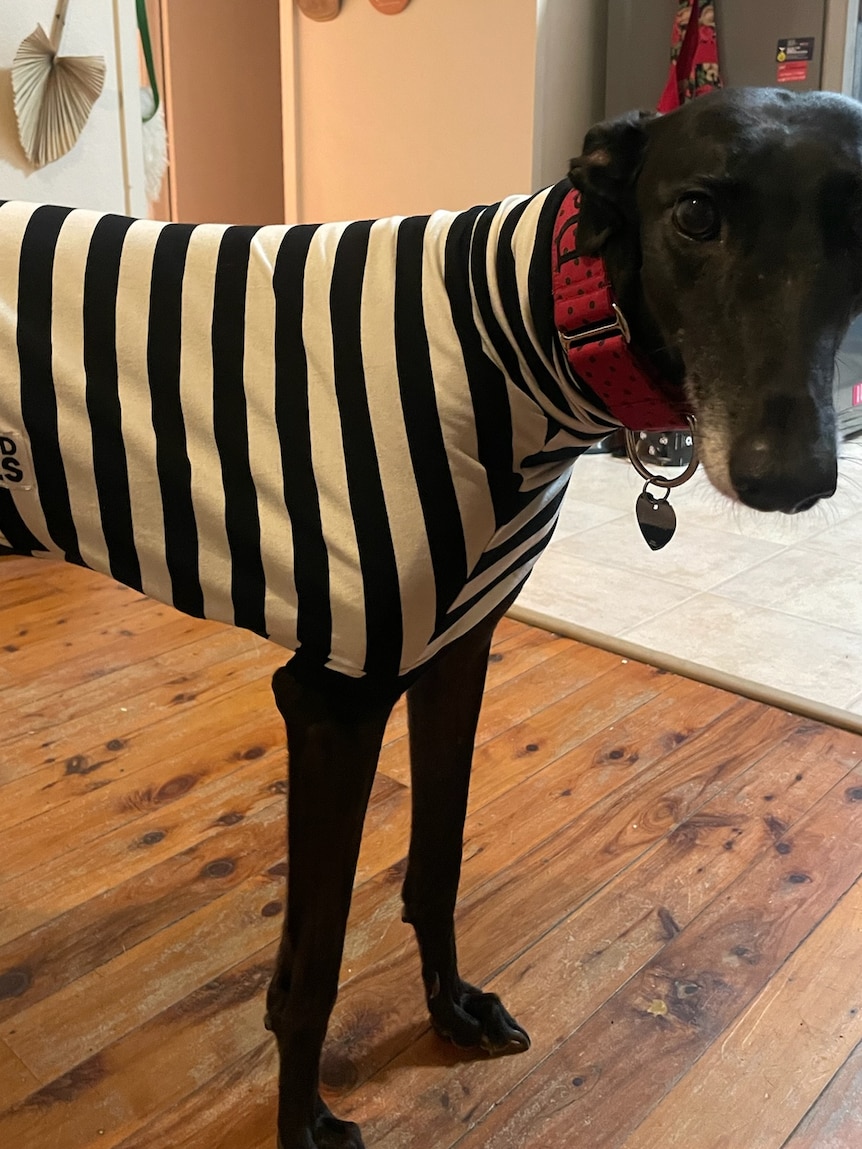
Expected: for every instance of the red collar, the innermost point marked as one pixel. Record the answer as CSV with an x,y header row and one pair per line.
x,y
595,336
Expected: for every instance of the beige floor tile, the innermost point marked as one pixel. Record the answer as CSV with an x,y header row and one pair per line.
x,y
816,662
844,538
603,598
605,482
577,516
819,586
697,557
777,598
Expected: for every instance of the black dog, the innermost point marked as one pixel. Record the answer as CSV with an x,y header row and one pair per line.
x,y
725,238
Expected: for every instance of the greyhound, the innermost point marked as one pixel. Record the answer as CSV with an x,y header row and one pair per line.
x,y
699,268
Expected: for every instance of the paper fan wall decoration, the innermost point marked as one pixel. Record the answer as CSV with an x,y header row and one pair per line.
x,y
53,94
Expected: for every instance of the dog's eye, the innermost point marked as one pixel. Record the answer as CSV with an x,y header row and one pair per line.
x,y
696,216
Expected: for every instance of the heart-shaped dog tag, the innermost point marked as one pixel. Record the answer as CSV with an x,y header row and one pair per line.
x,y
656,519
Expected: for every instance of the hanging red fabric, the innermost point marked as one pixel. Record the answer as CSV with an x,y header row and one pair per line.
x,y
694,70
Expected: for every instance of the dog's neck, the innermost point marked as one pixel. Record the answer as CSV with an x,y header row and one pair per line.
x,y
596,337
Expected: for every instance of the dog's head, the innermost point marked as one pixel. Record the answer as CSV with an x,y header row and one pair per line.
x,y
732,232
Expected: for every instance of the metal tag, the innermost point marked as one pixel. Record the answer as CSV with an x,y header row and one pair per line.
x,y
656,519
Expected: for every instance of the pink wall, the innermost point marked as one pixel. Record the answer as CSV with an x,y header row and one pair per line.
x,y
224,89
404,114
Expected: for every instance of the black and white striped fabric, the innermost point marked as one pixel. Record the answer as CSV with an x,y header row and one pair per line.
x,y
351,438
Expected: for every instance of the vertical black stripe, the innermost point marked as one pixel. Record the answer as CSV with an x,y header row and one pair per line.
x,y
15,530
230,425
383,626
110,466
434,482
38,397
172,461
491,410
500,341
503,263
311,566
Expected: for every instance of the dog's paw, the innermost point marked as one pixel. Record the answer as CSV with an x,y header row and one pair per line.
x,y
328,1133
474,1018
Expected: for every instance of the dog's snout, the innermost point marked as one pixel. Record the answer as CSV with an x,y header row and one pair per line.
x,y
774,477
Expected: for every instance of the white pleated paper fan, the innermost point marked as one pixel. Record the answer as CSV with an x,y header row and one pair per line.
x,y
54,96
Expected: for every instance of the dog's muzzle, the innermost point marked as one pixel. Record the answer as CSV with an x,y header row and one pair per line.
x,y
769,478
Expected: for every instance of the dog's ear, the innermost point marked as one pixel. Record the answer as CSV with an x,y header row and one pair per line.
x,y
604,173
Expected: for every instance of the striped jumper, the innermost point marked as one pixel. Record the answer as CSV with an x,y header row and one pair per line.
x,y
350,438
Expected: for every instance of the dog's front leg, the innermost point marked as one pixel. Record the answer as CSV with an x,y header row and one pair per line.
x,y
334,736
443,711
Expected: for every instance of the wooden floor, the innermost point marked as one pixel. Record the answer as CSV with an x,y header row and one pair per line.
x,y
659,878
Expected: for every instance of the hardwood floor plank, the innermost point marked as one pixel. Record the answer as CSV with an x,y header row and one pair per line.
x,y
644,1038
554,986
182,675
548,882
117,1091
84,812
124,707
537,687
521,687
51,626
505,759
116,998
630,835
589,767
507,628
124,643
757,1083
53,622
520,654
113,921
16,1080
834,1121
21,589
234,1110
157,833
612,833
537,718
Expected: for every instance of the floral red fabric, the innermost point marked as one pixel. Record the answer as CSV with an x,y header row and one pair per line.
x,y
694,55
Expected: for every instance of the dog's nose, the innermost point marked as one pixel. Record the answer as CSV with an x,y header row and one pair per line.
x,y
771,477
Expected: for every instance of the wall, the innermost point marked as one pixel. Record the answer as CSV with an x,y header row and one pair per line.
x,y
570,82
403,114
223,73
104,169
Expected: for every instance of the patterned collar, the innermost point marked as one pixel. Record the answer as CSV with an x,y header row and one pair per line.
x,y
595,336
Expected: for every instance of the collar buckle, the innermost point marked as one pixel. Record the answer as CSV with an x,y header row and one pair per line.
x,y
617,326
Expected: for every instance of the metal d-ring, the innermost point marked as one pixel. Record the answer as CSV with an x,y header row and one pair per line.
x,y
659,480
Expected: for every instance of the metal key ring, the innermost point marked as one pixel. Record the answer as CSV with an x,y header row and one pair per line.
x,y
659,480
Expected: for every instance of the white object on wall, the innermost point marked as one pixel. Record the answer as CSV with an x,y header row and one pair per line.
x,y
53,94
155,144
105,168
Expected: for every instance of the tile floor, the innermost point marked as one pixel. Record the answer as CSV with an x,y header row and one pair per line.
x,y
770,606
